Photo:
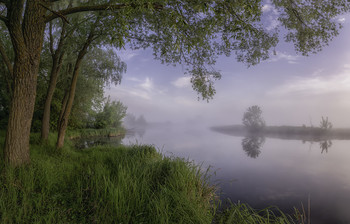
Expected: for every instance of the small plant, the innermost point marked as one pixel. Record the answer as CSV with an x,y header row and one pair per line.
x,y
325,124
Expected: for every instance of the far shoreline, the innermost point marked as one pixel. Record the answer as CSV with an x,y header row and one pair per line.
x,y
286,132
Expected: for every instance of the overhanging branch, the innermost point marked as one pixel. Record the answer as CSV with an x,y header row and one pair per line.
x,y
94,8
55,13
84,9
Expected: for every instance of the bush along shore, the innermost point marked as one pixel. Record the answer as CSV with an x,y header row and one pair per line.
x,y
125,184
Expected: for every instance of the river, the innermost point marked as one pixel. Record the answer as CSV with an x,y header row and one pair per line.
x,y
265,171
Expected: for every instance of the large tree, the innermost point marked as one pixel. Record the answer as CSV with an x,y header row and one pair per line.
x,y
253,119
190,32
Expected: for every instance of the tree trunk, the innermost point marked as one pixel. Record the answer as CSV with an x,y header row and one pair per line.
x,y
26,26
45,126
66,109
57,58
21,111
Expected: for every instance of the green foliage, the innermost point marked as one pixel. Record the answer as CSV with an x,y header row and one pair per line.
x,y
311,24
253,119
104,185
100,68
111,115
194,33
243,214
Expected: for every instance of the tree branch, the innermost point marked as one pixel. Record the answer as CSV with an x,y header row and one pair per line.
x,y
84,9
56,13
4,19
94,8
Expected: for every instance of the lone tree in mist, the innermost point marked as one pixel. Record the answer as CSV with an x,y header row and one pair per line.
x,y
252,119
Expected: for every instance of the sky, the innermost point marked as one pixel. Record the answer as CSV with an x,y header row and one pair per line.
x,y
291,89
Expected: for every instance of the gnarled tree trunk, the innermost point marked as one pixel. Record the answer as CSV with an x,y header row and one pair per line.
x,y
26,26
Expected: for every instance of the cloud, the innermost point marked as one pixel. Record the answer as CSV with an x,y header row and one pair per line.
x,y
269,8
182,82
342,19
127,55
122,92
315,85
142,89
134,79
147,85
278,56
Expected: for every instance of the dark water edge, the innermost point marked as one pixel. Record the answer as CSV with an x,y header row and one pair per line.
x,y
88,142
287,132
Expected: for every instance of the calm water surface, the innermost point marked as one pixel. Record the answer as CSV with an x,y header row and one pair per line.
x,y
264,172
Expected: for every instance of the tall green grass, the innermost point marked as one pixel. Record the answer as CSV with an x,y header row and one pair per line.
x,y
104,185
243,214
134,184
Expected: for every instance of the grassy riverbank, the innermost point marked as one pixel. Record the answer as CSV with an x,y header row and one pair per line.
x,y
133,184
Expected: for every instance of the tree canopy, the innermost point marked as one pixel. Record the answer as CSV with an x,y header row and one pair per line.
x,y
192,33
253,119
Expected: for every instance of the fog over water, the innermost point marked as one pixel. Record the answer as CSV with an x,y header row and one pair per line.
x,y
290,89
284,173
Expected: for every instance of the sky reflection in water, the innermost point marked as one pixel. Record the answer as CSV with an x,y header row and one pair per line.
x,y
264,171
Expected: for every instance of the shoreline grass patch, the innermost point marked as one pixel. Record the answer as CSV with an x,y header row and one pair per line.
x,y
133,184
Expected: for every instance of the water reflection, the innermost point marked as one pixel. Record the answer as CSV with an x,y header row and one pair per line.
x,y
285,174
136,132
325,145
252,145
84,143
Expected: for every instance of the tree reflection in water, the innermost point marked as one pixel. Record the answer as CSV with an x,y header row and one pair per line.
x,y
325,145
252,145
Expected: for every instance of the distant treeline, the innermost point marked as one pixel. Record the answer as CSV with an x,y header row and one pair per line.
x,y
287,132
